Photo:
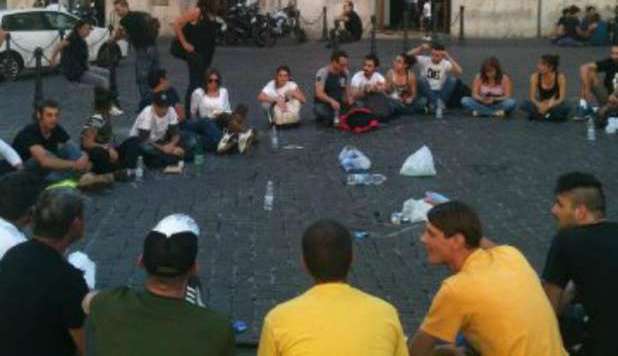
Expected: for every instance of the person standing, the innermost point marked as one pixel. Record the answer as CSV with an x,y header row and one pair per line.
x,y
40,291
196,31
142,31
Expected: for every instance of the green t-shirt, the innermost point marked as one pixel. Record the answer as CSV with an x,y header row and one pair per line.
x,y
136,322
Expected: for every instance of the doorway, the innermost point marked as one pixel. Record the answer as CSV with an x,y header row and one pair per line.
x,y
393,12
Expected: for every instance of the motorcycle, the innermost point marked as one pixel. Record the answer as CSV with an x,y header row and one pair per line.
x,y
243,23
286,22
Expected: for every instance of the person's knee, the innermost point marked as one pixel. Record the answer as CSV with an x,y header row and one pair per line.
x,y
509,104
467,102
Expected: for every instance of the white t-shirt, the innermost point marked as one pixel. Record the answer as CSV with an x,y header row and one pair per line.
x,y
359,80
9,154
203,105
9,236
427,9
273,92
435,74
148,120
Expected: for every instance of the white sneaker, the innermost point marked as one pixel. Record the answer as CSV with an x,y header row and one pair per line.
x,y
226,143
439,109
115,111
245,140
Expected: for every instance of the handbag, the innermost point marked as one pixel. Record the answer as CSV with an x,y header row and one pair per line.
x,y
289,117
177,50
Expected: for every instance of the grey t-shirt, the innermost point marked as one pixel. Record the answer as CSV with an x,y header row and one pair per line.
x,y
334,84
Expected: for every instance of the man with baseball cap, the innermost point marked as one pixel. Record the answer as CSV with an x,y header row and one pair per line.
x,y
158,320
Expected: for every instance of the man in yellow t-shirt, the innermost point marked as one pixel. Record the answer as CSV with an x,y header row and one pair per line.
x,y
494,298
332,318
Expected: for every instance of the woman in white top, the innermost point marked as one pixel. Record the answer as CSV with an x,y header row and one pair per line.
x,y
211,99
281,93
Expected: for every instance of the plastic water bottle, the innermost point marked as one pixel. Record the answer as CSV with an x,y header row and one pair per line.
x,y
365,179
591,132
336,118
269,196
139,169
615,82
198,158
274,138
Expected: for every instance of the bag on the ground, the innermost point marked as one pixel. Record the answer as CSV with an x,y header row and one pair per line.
x,y
461,90
353,160
419,164
289,117
358,120
416,210
379,104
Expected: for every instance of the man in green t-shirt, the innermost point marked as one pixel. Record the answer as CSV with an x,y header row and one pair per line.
x,y
158,320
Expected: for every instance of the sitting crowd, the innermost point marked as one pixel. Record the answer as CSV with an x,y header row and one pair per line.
x,y
573,29
493,303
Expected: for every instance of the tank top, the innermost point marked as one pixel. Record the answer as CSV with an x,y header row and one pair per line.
x,y
492,91
202,34
553,92
400,90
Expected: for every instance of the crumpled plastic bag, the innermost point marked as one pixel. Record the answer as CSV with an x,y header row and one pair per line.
x,y
416,210
612,125
419,164
353,160
82,262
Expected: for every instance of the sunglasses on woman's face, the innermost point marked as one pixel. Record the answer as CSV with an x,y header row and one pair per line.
x,y
213,80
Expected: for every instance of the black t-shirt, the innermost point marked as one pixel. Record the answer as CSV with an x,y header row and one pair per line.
x,y
334,84
40,300
588,255
610,68
74,60
138,27
354,25
570,25
31,135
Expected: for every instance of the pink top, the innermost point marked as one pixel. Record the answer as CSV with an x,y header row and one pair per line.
x,y
487,90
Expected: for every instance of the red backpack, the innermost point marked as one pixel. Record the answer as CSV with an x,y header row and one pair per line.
x,y
358,120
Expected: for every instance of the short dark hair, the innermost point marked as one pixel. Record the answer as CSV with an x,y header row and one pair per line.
x,y
19,192
455,217
327,251
372,57
336,55
155,76
349,2
585,189
552,60
46,104
409,60
437,46
284,68
55,211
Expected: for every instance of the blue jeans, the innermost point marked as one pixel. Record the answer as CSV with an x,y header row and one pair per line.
x,y
207,130
556,114
324,113
68,151
443,93
472,104
400,108
146,60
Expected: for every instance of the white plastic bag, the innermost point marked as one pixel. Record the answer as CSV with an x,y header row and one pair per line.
x,y
352,159
82,262
416,210
419,164
612,125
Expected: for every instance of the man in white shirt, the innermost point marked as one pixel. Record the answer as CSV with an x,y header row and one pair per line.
x,y
157,129
438,72
368,81
19,191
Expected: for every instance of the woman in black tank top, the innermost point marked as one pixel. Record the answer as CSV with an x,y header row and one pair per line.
x,y
196,31
547,92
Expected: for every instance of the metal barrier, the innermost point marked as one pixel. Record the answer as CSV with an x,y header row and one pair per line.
x,y
373,47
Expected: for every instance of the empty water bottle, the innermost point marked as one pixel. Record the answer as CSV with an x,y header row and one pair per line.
x,y
274,138
591,132
269,196
336,118
139,169
365,179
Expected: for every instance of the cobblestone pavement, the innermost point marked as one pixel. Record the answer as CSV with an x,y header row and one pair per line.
x,y
249,258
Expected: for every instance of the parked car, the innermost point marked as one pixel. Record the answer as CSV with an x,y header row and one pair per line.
x,y
38,27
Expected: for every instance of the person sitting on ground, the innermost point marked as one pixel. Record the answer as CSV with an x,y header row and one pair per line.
x,y
10,160
98,142
320,321
401,86
569,30
352,30
281,98
46,149
547,92
212,119
581,264
75,57
128,321
493,304
492,92
593,30
605,92
558,29
19,192
438,72
157,129
158,82
367,81
41,293
332,95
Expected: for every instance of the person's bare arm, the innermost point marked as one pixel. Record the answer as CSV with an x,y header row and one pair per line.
x,y
422,344
57,49
584,74
456,69
79,338
53,163
532,92
562,83
265,98
476,89
298,95
321,95
554,294
190,16
418,50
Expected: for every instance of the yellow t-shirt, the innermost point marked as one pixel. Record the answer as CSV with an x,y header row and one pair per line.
x,y
333,319
497,302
